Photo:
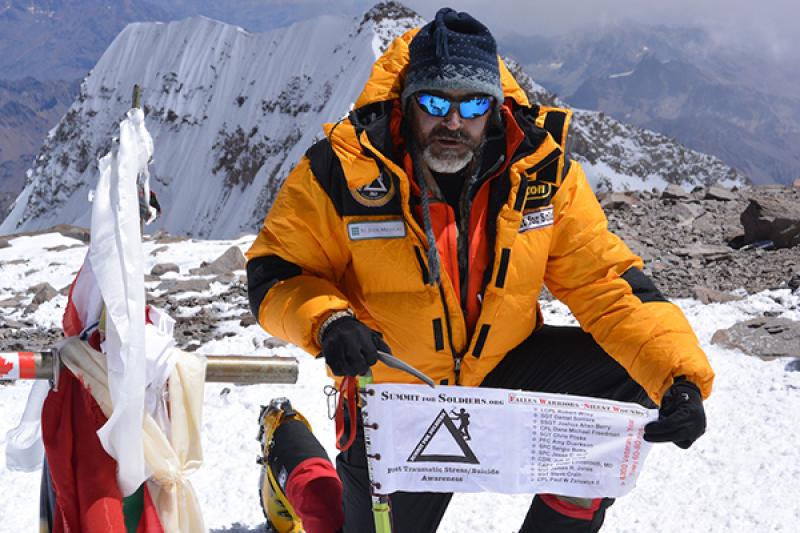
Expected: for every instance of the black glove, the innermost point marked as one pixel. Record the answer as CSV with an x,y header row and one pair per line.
x,y
350,347
681,418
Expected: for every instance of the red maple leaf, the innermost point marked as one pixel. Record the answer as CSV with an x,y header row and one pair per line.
x,y
5,366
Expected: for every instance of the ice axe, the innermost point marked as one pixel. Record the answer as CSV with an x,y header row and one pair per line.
x,y
352,387
381,511
393,362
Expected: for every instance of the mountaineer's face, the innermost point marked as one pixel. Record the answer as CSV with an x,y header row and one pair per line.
x,y
449,127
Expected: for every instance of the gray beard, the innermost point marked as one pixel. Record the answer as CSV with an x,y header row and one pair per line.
x,y
446,165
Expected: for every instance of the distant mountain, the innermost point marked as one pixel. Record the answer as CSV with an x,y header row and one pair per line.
x,y
562,63
260,15
728,101
28,109
46,48
231,112
754,132
56,40
62,39
618,156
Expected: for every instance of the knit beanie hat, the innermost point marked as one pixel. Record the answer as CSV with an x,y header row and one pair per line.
x,y
454,51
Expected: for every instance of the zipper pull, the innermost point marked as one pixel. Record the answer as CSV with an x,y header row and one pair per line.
x,y
457,368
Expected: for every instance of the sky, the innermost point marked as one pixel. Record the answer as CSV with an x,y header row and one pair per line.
x,y
767,26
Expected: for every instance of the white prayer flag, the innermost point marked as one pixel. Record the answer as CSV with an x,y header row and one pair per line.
x,y
465,439
117,261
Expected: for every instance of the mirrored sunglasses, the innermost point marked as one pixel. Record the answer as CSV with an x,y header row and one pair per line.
x,y
439,106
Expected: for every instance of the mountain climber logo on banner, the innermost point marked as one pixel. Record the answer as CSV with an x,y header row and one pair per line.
x,y
448,446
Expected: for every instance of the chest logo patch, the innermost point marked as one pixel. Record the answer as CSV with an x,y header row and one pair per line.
x,y
539,218
538,191
537,195
376,194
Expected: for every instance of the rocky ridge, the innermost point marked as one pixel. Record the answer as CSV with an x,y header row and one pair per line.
x,y
693,244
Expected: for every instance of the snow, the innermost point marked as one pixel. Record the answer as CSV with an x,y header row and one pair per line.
x,y
620,75
741,476
600,174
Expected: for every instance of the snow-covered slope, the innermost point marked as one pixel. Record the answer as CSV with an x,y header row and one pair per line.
x,y
231,112
740,477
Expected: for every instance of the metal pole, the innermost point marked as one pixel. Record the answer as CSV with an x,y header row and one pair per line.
x,y
244,369
136,99
248,369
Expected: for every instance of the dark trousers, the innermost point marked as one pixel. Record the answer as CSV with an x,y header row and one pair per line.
x,y
555,359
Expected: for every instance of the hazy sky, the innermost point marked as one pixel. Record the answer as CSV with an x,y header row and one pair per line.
x,y
769,26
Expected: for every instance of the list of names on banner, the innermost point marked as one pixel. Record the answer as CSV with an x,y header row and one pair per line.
x,y
567,438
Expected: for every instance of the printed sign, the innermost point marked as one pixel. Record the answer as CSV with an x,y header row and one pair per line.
x,y
384,229
464,439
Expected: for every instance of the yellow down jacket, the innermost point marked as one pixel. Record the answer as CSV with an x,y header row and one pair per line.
x,y
341,235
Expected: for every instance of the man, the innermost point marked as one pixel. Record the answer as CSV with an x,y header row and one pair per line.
x,y
426,223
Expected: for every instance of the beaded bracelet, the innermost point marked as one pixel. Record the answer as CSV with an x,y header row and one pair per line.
x,y
330,320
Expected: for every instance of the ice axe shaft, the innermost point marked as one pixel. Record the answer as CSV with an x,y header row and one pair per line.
x,y
393,362
381,512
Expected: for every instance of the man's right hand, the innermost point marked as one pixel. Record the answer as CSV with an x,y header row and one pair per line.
x,y
681,419
350,347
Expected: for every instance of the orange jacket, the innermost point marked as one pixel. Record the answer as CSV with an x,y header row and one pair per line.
x,y
341,234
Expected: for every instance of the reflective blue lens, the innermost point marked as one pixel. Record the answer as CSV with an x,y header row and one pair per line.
x,y
439,106
476,106
434,105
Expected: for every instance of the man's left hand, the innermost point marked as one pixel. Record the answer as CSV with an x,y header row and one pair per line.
x,y
681,419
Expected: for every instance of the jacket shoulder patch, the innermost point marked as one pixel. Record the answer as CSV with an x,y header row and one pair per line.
x,y
377,194
376,198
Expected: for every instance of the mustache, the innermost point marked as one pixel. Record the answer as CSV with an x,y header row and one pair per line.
x,y
440,132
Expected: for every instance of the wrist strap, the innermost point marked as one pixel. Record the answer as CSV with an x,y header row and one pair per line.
x,y
333,317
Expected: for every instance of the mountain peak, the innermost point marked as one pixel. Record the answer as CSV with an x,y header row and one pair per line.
x,y
386,21
390,10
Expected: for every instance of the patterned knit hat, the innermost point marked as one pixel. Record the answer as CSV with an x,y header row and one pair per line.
x,y
454,51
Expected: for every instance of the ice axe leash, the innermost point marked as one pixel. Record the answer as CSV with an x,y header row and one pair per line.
x,y
354,388
381,511
347,389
